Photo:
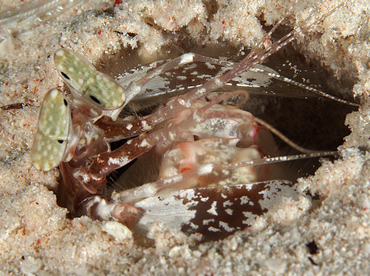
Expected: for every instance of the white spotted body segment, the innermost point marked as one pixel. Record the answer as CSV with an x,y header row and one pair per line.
x,y
84,80
50,142
215,212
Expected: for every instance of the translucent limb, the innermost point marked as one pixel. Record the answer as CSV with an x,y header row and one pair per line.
x,y
275,75
173,130
118,130
135,87
98,208
187,179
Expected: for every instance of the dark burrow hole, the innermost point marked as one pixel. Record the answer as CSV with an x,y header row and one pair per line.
x,y
311,121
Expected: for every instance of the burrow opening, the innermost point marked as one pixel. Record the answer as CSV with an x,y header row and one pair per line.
x,y
310,121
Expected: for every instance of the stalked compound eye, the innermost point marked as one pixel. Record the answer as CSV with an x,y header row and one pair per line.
x,y
83,78
50,144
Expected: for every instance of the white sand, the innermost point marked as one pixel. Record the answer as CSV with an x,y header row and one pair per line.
x,y
37,238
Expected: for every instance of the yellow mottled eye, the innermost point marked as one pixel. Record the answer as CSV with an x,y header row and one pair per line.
x,y
50,140
82,77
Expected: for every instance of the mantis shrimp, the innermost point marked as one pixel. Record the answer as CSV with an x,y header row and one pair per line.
x,y
219,165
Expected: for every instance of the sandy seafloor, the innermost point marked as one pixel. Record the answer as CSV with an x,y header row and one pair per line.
x,y
36,238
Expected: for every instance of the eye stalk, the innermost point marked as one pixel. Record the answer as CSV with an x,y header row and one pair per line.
x,y
94,87
49,146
